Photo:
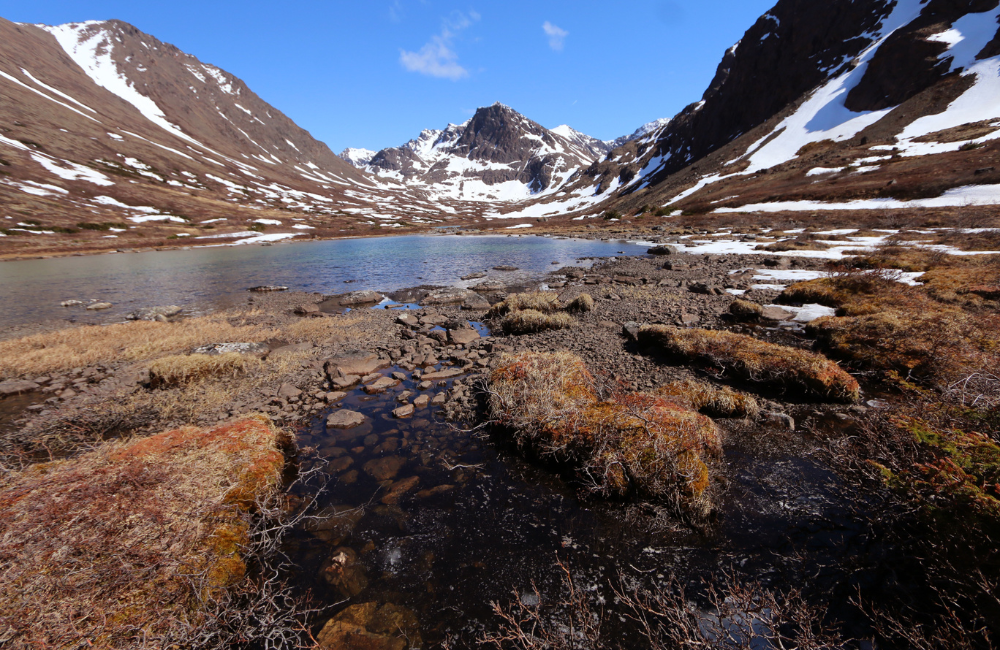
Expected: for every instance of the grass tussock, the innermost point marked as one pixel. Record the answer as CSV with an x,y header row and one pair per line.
x,y
529,321
134,541
710,399
581,304
540,301
619,444
756,361
745,309
181,370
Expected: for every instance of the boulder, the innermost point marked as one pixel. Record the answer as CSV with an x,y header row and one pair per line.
x,y
404,411
97,306
355,363
384,469
462,336
371,627
455,296
490,286
381,385
776,313
662,249
71,303
306,310
631,330
345,419
366,297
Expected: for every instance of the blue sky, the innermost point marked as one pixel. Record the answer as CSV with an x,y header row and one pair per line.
x,y
375,73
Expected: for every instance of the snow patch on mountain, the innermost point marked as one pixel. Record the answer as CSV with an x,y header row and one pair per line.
x,y
360,158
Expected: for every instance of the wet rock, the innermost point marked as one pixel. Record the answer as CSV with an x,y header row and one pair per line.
x,y
434,491
490,286
474,276
400,489
399,376
421,402
343,383
349,478
154,313
333,398
381,385
425,385
344,419
371,627
334,523
97,306
306,310
17,386
404,411
506,268
439,399
390,446
267,288
345,573
355,363
339,465
361,298
384,469
454,296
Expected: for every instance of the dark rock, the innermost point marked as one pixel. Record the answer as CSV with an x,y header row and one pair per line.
x,y
662,249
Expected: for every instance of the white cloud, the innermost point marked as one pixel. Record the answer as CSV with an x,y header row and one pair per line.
x,y
557,36
437,58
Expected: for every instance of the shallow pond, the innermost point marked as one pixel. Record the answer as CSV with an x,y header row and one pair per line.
x,y
205,278
479,523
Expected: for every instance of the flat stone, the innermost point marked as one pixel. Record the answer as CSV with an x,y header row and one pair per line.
x,y
439,399
399,490
344,419
463,336
434,491
17,386
384,469
288,391
355,363
361,298
404,411
345,382
455,296
381,385
335,397
97,306
443,374
421,402
777,313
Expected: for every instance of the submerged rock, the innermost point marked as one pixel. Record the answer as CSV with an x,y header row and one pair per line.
x,y
372,627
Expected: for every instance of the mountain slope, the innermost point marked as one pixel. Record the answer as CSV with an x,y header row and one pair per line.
x,y
102,124
498,155
881,87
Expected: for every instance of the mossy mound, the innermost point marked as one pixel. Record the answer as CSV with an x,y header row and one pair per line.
x,y
619,444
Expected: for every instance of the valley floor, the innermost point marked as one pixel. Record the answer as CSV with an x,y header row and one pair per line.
x,y
856,504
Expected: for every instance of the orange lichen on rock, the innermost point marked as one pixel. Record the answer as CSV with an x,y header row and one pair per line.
x,y
756,361
619,444
130,540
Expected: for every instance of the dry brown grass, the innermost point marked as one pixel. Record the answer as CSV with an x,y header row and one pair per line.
x,y
180,370
756,361
133,341
144,340
126,546
529,321
745,310
710,399
582,303
619,444
540,301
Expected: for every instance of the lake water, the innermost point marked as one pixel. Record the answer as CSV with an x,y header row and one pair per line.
x,y
205,278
